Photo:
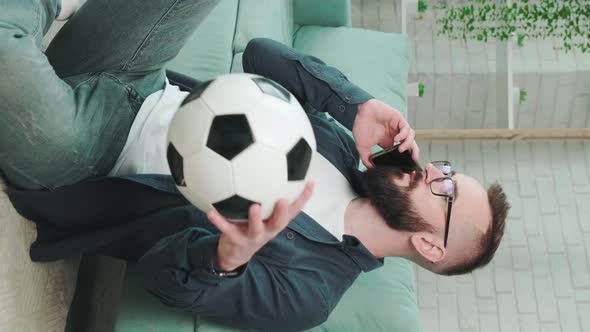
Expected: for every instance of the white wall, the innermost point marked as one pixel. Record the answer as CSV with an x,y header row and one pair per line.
x,y
460,77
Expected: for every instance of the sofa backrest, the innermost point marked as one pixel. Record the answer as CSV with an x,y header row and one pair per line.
x,y
263,18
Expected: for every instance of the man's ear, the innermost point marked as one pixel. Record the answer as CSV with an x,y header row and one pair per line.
x,y
427,247
404,181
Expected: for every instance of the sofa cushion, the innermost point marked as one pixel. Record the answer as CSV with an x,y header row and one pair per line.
x,y
264,18
380,300
376,61
140,311
208,52
325,12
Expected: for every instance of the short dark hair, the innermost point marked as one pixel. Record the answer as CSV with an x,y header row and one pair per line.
x,y
490,240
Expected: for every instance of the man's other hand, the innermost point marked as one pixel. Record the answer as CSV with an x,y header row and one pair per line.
x,y
240,241
381,124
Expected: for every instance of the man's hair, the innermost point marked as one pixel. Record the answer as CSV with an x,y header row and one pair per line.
x,y
490,241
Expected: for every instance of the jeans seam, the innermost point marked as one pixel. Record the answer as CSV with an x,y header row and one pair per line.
x,y
90,78
30,178
149,36
131,91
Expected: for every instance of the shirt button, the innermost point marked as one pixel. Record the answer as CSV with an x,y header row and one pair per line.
x,y
290,235
341,108
348,97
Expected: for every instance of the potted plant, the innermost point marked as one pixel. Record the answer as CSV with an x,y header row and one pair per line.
x,y
415,89
422,6
521,95
565,20
518,95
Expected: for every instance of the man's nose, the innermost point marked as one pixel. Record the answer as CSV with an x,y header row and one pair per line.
x,y
432,173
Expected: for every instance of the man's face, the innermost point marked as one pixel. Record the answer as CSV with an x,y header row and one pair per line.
x,y
425,212
470,214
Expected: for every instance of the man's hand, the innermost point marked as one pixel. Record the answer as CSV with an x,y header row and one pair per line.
x,y
239,242
379,123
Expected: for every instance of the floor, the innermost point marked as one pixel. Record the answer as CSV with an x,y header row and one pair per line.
x,y
540,277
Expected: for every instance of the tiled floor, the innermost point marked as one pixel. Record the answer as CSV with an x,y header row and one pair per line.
x,y
540,277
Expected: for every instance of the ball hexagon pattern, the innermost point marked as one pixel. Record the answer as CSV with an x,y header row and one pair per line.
x,y
190,127
264,182
239,140
228,95
229,135
272,88
215,174
298,160
176,163
235,207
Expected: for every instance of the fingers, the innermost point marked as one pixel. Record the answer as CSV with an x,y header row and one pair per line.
x,y
404,130
367,161
300,202
280,216
408,142
255,223
224,226
365,154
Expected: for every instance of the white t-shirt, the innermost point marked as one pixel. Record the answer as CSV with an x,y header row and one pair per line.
x,y
145,153
145,149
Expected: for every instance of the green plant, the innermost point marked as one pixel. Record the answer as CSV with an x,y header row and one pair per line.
x,y
422,6
420,89
522,95
566,20
520,40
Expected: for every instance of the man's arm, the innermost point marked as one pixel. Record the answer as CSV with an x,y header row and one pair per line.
x,y
326,89
261,296
309,79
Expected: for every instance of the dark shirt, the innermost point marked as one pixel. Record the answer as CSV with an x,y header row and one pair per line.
x,y
292,283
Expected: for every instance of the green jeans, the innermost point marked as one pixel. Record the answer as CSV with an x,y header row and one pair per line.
x,y
65,114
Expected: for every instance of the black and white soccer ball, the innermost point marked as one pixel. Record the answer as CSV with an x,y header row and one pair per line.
x,y
240,139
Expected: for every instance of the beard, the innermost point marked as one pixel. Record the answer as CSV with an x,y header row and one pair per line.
x,y
391,201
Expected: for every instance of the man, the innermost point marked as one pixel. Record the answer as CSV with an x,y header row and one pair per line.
x,y
287,272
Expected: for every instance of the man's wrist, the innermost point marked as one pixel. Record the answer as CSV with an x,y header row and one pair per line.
x,y
222,261
218,273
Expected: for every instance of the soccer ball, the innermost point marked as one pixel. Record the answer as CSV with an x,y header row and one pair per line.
x,y
237,140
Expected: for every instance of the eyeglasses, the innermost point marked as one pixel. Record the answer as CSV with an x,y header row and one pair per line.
x,y
445,187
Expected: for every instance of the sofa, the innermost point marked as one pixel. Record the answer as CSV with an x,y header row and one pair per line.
x,y
381,300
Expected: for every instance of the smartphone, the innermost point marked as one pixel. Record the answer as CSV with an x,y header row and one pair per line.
x,y
392,157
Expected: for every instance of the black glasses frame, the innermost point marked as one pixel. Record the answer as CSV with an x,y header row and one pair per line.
x,y
450,197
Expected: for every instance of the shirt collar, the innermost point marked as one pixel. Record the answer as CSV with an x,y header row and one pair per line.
x,y
350,245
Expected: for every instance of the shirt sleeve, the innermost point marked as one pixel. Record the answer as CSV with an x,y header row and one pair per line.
x,y
312,82
262,296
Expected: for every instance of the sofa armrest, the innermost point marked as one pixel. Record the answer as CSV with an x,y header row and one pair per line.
x,y
325,12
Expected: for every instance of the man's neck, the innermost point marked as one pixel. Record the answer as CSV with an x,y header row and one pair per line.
x,y
363,221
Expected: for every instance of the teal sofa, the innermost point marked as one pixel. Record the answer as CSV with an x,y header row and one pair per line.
x,y
381,300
